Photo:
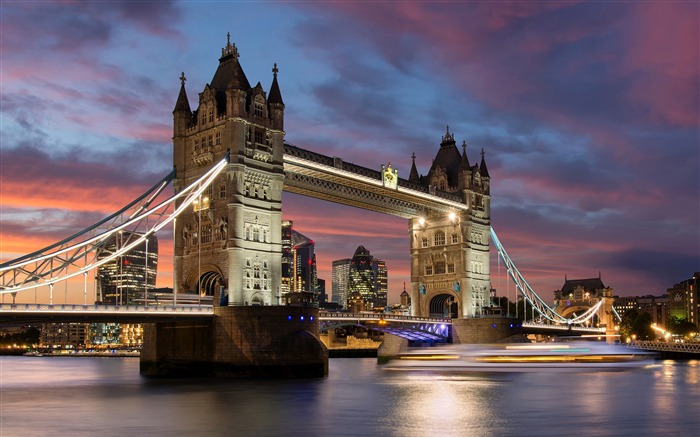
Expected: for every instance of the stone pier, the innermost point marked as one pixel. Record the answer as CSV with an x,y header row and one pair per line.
x,y
253,341
484,330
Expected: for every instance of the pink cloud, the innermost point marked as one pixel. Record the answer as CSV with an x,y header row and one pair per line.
x,y
662,58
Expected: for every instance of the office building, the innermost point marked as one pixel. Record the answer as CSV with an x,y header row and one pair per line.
x,y
126,279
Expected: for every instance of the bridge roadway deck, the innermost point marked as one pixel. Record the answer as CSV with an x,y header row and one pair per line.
x,y
45,313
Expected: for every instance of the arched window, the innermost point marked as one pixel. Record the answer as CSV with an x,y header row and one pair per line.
x,y
211,116
442,185
439,238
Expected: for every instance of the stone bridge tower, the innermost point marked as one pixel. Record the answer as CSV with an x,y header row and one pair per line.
x,y
230,240
450,252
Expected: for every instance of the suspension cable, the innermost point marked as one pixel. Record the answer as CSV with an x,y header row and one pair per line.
x,y
55,262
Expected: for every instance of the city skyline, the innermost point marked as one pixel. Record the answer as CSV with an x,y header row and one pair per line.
x,y
588,121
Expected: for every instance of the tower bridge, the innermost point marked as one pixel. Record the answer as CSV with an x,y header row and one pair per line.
x,y
231,165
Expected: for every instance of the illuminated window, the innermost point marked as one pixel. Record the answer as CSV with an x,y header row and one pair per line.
x,y
439,238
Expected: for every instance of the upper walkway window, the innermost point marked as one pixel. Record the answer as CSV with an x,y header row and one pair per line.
x,y
439,238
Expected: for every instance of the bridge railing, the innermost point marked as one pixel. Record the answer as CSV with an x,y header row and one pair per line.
x,y
107,308
387,317
663,346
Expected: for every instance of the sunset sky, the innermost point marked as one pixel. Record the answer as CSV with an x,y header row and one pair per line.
x,y
588,113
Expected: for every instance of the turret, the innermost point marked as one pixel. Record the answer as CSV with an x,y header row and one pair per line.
x,y
182,115
465,169
413,176
275,103
484,172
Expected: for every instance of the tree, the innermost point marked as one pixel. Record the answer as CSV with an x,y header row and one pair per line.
x,y
681,326
636,324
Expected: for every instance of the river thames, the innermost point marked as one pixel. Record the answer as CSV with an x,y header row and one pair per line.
x,y
88,396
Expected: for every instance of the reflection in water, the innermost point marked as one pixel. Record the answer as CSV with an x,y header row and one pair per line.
x,y
106,396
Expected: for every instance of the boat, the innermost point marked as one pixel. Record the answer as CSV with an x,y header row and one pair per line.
x,y
575,356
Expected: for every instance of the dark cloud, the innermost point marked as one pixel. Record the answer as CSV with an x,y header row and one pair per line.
x,y
36,167
72,27
657,266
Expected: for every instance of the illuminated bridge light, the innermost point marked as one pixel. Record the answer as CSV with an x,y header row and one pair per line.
x,y
289,317
302,318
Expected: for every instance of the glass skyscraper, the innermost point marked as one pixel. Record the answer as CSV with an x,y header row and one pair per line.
x,y
298,263
126,279
360,283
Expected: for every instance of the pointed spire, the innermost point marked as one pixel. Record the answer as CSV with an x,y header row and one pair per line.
x,y
448,138
482,167
413,176
275,96
404,292
182,103
464,162
230,49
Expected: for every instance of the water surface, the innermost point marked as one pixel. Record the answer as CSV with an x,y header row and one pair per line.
x,y
87,396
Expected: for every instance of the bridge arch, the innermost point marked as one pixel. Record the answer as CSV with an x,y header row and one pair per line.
x,y
444,305
571,311
206,280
